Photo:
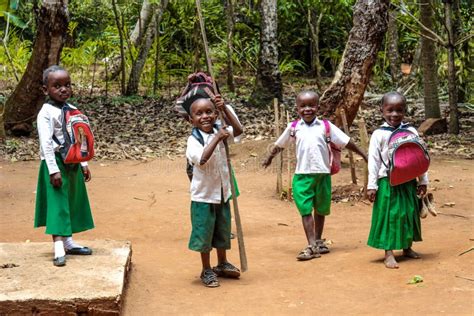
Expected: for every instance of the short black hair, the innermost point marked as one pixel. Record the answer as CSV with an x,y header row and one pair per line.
x,y
392,94
49,70
308,92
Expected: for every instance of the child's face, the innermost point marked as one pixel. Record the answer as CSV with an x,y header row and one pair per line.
x,y
203,114
307,106
393,110
59,86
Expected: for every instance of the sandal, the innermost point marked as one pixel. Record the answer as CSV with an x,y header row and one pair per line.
x,y
308,253
226,270
321,246
423,208
429,202
209,278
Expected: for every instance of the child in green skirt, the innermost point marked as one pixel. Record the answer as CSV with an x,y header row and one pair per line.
x,y
312,178
62,204
210,190
395,216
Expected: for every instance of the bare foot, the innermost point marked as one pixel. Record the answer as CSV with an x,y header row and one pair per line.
x,y
410,253
390,261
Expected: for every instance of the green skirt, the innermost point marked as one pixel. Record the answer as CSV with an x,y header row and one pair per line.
x,y
64,210
395,216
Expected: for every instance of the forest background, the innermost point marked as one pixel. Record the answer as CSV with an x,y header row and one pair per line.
x,y
129,61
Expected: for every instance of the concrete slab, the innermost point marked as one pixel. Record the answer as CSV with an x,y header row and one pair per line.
x,y
87,285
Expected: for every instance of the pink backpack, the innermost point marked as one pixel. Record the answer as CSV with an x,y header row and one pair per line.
x,y
333,149
408,156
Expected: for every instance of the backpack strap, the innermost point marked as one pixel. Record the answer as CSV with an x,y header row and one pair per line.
x,y
327,131
293,128
198,136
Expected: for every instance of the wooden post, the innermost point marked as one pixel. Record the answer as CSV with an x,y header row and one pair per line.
x,y
288,157
279,185
364,143
351,156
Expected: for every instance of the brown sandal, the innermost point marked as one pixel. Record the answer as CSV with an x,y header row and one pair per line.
x,y
308,253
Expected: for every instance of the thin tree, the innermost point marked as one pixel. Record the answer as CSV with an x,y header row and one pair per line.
x,y
122,49
229,8
429,65
392,47
268,80
365,39
23,104
314,24
139,63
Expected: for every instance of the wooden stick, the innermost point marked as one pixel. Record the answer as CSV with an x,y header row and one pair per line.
x,y
279,183
238,223
351,156
364,142
288,157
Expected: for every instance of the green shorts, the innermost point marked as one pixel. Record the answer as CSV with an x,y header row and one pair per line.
x,y
211,226
312,191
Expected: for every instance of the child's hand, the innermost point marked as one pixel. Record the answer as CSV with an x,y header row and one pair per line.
x,y
56,180
371,194
421,190
223,133
87,173
219,102
267,162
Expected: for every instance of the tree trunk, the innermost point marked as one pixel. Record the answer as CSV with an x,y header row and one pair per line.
x,y
229,7
314,23
23,104
452,87
146,13
139,63
122,48
353,74
393,55
429,66
268,80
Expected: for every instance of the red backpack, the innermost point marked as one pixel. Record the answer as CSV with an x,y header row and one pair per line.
x,y
78,143
408,155
333,149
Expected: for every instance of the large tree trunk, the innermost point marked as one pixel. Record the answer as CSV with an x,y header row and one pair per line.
x,y
392,41
268,80
23,104
365,39
429,66
452,86
229,8
139,63
146,13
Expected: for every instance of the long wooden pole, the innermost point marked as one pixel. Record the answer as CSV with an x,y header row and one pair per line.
x,y
351,156
238,223
279,184
364,142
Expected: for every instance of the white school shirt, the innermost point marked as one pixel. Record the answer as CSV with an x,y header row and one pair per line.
x,y
49,123
312,154
379,147
236,139
213,176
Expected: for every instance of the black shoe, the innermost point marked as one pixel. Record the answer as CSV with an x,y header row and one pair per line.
x,y
59,261
84,251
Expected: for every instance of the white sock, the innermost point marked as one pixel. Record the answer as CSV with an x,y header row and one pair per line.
x,y
59,249
69,243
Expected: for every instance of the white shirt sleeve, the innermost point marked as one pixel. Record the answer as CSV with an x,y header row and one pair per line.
x,y
194,151
338,137
45,125
284,138
374,161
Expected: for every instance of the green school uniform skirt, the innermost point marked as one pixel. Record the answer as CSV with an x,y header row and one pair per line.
x,y
395,216
64,210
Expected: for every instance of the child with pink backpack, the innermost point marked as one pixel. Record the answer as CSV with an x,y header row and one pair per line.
x,y
397,158
317,143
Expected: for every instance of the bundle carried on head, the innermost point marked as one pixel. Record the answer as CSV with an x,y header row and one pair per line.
x,y
199,85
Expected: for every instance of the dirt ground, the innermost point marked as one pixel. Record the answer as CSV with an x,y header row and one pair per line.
x,y
148,204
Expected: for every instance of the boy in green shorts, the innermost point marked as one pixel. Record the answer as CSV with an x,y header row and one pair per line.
x,y
210,189
312,179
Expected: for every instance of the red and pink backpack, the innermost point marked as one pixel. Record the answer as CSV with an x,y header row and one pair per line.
x,y
333,149
78,143
408,155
